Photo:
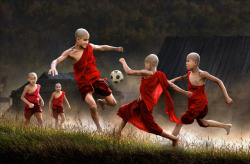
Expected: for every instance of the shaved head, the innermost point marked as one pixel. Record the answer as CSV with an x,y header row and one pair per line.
x,y
32,74
195,57
152,59
81,32
57,84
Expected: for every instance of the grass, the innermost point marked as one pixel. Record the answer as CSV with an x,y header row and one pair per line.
x,y
37,145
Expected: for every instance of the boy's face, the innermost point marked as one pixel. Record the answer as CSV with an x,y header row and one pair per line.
x,y
83,41
190,63
147,65
32,79
58,87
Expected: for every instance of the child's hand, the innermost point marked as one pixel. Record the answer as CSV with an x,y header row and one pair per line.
x,y
50,110
69,107
42,103
188,93
119,49
53,71
122,60
31,105
229,101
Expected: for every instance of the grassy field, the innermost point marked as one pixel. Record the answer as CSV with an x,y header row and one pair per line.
x,y
37,145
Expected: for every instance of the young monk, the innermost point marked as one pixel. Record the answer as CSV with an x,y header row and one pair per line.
x,y
57,106
31,97
197,104
139,112
86,74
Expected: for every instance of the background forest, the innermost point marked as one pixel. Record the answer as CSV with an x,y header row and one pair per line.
x,y
34,32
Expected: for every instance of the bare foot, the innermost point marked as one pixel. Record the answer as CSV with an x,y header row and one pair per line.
x,y
176,143
228,128
100,101
99,131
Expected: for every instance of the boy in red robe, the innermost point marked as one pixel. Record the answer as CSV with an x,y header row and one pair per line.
x,y
57,106
86,74
139,112
31,98
197,103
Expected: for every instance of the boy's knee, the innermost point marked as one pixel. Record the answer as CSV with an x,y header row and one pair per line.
x,y
203,124
113,103
186,120
93,107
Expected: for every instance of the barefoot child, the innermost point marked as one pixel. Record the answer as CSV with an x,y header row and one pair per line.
x,y
86,74
31,98
139,112
197,103
57,106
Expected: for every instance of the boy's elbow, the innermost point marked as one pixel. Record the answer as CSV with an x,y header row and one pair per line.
x,y
129,73
219,82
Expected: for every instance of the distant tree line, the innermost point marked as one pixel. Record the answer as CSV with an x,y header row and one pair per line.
x,y
37,31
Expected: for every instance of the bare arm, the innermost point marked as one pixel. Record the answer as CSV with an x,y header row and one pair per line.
x,y
42,102
134,72
176,88
50,102
24,99
54,63
178,78
206,75
106,48
66,100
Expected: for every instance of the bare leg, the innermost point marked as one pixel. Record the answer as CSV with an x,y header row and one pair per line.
x,y
26,123
119,131
38,116
177,129
174,139
212,123
56,123
62,120
108,100
93,110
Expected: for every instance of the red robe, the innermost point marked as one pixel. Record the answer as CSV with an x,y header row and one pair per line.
x,y
85,70
58,101
198,101
152,87
139,112
33,97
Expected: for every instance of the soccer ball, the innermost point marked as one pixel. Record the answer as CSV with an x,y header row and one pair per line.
x,y
116,76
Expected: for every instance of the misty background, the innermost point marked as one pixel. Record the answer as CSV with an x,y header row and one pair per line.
x,y
35,32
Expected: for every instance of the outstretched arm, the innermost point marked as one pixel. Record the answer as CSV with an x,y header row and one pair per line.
x,y
176,88
54,63
134,72
66,100
178,78
206,75
24,99
106,48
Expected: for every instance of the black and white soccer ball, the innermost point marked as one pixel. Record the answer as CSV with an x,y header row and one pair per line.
x,y
116,76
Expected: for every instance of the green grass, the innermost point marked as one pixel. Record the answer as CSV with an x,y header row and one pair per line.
x,y
36,145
